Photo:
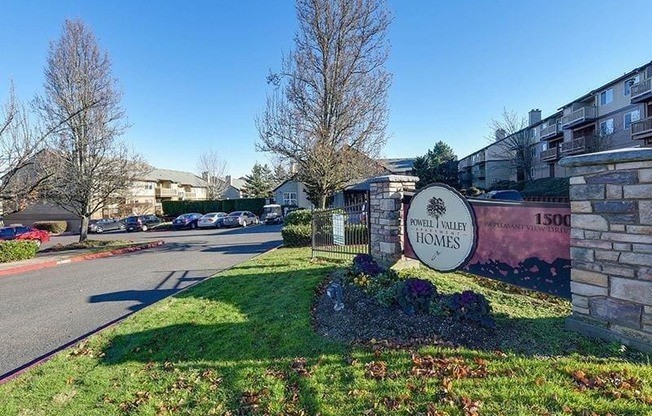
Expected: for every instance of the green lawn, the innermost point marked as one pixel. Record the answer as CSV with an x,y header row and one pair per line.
x,y
242,343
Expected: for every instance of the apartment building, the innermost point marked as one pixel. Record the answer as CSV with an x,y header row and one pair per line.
x,y
174,185
615,115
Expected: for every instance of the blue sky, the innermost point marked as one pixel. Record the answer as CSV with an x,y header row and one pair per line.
x,y
193,73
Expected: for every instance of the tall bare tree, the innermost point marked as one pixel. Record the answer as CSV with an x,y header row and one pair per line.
x,y
213,171
24,166
82,102
328,112
517,146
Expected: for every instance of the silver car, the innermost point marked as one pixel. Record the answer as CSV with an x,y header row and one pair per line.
x,y
240,219
212,220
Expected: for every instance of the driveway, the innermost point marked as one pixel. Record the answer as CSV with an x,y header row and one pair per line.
x,y
49,309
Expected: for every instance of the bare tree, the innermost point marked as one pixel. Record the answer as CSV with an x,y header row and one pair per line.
x,y
213,171
328,112
83,102
517,144
24,166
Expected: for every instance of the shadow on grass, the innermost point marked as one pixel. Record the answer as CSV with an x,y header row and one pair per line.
x,y
234,324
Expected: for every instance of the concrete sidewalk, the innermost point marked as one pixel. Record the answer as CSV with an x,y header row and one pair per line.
x,y
53,259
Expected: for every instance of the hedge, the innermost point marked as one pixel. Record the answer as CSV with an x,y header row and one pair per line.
x,y
297,235
176,208
298,217
557,187
54,227
17,250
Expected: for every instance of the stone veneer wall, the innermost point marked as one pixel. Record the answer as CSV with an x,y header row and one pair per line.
x,y
611,245
386,217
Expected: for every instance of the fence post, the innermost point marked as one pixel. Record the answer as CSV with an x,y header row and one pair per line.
x,y
611,245
386,216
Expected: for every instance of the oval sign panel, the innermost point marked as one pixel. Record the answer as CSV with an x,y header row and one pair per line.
x,y
441,227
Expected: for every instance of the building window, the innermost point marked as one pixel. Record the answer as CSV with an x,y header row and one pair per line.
x,y
607,127
631,117
627,89
606,96
290,198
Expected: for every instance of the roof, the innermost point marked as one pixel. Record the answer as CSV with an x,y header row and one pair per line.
x,y
401,165
184,178
238,183
602,87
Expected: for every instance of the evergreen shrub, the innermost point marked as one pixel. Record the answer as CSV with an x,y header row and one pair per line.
x,y
53,227
16,250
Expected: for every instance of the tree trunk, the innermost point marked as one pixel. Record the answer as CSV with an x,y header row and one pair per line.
x,y
322,201
83,232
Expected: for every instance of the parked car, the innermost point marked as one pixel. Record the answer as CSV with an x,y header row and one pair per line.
x,y
107,224
240,219
188,220
212,220
506,195
21,232
141,222
272,214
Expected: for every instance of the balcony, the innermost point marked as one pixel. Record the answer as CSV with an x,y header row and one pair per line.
x,y
550,155
464,163
166,193
478,158
578,117
550,132
575,146
641,91
642,129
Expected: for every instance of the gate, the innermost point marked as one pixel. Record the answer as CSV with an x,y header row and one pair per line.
x,y
341,232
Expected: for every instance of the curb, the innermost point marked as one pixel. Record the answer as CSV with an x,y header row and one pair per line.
x,y
78,258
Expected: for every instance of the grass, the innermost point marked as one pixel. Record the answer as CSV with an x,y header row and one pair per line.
x,y
242,343
93,245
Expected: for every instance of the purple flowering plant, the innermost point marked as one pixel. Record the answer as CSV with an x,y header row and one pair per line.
x,y
469,306
416,295
365,264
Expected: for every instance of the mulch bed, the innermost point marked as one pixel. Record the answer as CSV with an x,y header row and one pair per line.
x,y
363,321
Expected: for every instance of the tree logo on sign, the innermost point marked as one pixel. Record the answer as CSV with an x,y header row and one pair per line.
x,y
436,207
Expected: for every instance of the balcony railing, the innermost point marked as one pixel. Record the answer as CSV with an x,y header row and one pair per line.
x,y
642,129
641,91
464,163
550,131
166,193
578,117
579,145
479,158
550,155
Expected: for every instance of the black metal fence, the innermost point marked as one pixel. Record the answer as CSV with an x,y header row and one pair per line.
x,y
341,232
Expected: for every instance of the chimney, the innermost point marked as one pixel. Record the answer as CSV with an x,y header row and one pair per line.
x,y
500,134
227,179
294,168
204,176
535,116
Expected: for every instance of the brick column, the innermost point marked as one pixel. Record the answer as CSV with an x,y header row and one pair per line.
x,y
611,245
386,218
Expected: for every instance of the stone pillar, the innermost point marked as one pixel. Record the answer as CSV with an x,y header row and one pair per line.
x,y
611,245
386,217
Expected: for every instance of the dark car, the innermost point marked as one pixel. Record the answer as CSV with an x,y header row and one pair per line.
x,y
107,224
141,222
506,195
240,219
188,220
20,232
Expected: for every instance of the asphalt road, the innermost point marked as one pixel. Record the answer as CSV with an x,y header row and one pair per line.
x,y
45,310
